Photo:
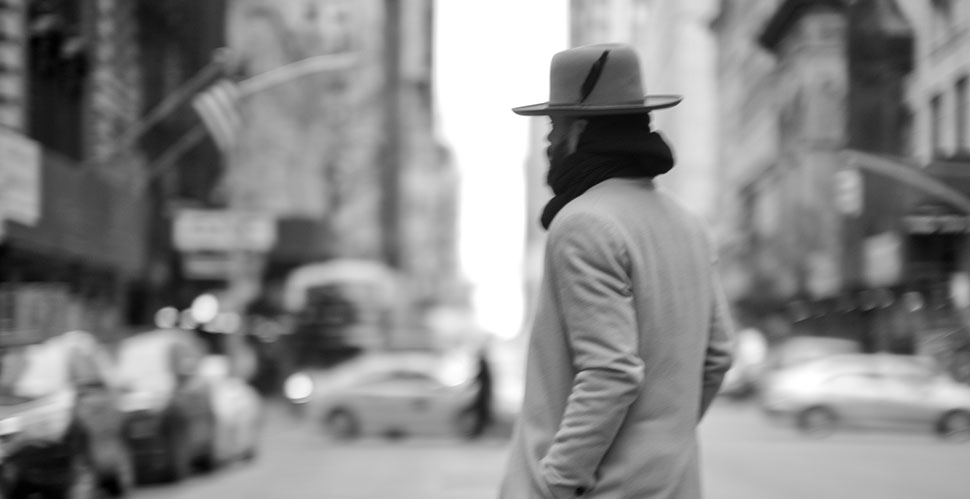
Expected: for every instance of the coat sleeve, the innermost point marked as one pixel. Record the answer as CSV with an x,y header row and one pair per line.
x,y
720,343
590,272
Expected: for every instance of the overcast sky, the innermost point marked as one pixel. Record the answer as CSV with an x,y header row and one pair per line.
x,y
490,57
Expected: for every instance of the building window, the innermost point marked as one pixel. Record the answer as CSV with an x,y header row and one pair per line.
x,y
12,60
56,68
936,125
962,110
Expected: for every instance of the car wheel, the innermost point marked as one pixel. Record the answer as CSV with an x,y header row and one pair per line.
x,y
83,481
342,424
955,426
178,455
817,421
468,424
250,453
123,479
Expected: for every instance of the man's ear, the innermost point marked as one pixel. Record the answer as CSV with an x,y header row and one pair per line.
x,y
576,129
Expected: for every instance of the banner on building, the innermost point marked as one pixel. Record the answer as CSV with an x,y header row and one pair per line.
x,y
20,177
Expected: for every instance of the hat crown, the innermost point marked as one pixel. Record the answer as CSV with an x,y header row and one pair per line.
x,y
618,80
596,80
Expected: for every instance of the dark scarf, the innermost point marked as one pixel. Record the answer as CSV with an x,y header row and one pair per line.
x,y
614,146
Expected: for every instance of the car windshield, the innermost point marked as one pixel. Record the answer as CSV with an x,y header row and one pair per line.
x,y
32,371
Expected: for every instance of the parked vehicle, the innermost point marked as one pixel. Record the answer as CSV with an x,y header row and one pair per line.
x,y
390,393
236,405
169,414
877,391
743,379
60,421
800,349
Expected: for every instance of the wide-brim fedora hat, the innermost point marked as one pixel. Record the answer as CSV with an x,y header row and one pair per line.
x,y
594,80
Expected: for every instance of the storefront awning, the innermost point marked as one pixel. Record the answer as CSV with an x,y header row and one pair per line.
x,y
941,182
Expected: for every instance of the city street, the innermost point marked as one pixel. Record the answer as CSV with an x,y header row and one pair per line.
x,y
743,458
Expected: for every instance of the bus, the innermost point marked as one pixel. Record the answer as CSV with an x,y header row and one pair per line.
x,y
341,308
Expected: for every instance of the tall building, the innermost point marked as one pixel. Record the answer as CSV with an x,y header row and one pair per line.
x,y
937,89
179,43
677,57
73,237
747,144
852,221
346,160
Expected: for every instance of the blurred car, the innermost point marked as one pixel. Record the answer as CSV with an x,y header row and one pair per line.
x,y
169,414
800,349
60,421
743,379
877,391
390,393
236,405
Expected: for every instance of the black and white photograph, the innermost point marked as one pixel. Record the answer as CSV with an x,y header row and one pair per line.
x,y
516,249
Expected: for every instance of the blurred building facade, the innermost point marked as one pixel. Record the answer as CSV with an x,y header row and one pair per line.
x,y
848,220
677,57
179,43
73,241
346,160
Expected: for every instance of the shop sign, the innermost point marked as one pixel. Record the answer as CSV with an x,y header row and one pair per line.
x,y
223,230
207,265
20,187
937,224
883,264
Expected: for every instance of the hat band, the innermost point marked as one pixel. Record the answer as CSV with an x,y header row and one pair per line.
x,y
637,102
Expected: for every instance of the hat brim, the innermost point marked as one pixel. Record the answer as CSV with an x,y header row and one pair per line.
x,y
649,103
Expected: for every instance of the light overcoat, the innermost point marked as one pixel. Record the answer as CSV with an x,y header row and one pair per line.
x,y
631,340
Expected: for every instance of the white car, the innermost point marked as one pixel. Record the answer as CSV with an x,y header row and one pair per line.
x,y
238,411
390,393
881,391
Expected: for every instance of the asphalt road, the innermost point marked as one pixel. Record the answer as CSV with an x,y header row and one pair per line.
x,y
744,458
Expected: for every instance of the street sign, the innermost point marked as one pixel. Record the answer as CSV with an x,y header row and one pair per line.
x,y
223,230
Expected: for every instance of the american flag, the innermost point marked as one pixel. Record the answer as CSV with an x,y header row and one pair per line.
x,y
217,106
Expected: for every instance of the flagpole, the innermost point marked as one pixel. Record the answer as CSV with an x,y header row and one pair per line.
x,y
294,70
169,104
216,105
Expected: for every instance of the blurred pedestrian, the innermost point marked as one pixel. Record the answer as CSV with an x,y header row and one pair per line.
x,y
482,405
632,334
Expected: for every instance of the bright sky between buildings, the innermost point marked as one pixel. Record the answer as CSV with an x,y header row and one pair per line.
x,y
490,57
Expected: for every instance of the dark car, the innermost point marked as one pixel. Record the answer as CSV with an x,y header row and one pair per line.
x,y
60,420
169,418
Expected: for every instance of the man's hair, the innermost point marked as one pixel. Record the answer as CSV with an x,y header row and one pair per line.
x,y
618,121
608,127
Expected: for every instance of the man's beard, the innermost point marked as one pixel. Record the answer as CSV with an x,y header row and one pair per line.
x,y
556,155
